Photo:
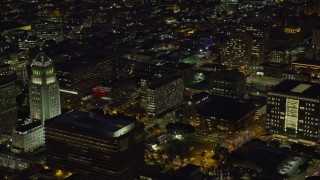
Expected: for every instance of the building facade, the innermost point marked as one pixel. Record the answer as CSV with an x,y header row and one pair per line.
x,y
163,94
215,114
78,76
95,147
280,55
27,138
237,51
293,110
8,106
230,84
44,89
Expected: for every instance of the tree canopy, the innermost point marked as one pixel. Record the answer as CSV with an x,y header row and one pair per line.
x,y
180,128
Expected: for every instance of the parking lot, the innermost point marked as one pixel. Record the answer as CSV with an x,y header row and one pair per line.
x,y
291,166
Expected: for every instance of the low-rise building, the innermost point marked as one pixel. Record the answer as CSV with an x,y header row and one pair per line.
x,y
28,137
230,84
216,114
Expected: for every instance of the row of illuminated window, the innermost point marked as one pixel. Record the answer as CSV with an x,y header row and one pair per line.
x,y
307,108
273,120
311,118
274,131
310,104
276,111
308,113
51,80
280,115
307,124
274,103
274,99
307,131
219,89
274,124
222,82
84,143
37,81
311,135
85,139
80,136
275,116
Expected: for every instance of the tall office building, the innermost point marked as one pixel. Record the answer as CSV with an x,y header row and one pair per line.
x,y
163,94
94,146
259,32
8,106
280,55
293,110
44,89
78,76
237,51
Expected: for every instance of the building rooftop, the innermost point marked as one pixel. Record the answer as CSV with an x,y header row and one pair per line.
x,y
88,59
38,155
213,66
274,65
118,82
88,122
260,156
297,88
203,85
229,75
177,66
42,60
308,62
7,79
28,127
221,107
162,81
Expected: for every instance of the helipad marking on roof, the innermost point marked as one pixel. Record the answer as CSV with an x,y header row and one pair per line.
x,y
301,88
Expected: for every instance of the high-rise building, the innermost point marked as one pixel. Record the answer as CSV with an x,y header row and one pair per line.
x,y
280,55
94,146
44,89
163,94
280,39
259,32
48,29
78,76
237,51
293,110
8,106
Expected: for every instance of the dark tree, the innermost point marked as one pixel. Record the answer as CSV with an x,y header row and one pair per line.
x,y
180,128
274,143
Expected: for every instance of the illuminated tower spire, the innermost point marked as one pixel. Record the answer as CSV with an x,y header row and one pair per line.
x,y
44,89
